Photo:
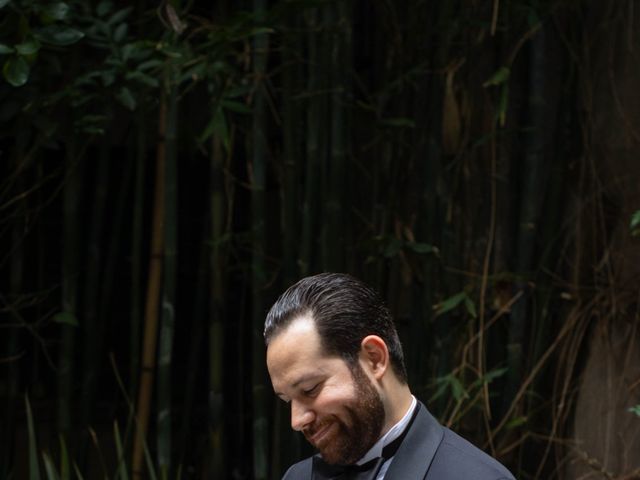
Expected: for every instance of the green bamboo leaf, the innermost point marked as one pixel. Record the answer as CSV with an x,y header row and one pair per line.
x,y
16,71
119,16
5,49
495,373
66,318
457,389
59,35
516,422
450,303
443,384
126,98
34,467
149,64
498,78
103,8
121,471
393,248
635,410
635,224
237,107
49,468
143,78
398,122
56,11
28,48
470,306
217,126
78,472
121,32
422,248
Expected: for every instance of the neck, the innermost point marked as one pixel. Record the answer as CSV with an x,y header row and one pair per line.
x,y
398,401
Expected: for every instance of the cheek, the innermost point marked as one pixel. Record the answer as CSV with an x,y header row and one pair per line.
x,y
334,401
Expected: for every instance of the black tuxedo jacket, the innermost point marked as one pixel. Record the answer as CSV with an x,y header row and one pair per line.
x,y
429,452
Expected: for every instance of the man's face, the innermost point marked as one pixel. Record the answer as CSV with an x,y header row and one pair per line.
x,y
337,408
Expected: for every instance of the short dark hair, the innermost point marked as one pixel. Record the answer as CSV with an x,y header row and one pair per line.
x,y
345,310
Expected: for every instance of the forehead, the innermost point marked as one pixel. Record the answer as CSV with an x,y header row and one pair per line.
x,y
296,352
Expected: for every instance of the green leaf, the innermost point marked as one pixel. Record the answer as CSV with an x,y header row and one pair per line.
x,y
66,318
121,32
393,248
29,47
516,422
3,3
422,248
143,78
470,306
237,107
122,465
635,224
103,8
34,467
58,35
126,98
635,410
398,122
56,11
501,76
5,49
119,16
50,468
108,77
457,389
149,64
495,373
450,303
16,71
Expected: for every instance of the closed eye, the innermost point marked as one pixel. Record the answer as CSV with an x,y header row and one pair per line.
x,y
310,392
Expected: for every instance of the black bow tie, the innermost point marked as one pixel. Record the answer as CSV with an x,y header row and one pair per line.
x,y
326,471
366,471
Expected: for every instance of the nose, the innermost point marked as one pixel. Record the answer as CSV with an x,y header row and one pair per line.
x,y
301,416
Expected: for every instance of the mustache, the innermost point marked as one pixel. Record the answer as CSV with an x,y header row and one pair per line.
x,y
317,427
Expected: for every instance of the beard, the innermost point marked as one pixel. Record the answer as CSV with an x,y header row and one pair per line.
x,y
349,438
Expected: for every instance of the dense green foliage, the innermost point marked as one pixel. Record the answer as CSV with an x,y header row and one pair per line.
x,y
169,168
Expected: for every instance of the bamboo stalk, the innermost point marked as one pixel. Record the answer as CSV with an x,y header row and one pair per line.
x,y
135,324
258,273
13,338
286,444
217,263
154,287
334,206
91,286
165,345
315,126
532,192
66,363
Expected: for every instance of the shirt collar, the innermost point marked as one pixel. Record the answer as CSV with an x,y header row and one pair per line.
x,y
393,433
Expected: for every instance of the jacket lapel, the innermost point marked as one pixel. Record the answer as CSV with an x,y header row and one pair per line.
x,y
413,458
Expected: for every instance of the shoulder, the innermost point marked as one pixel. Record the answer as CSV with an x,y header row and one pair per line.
x,y
458,458
300,470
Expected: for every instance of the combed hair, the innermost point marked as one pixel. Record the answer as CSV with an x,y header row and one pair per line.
x,y
344,310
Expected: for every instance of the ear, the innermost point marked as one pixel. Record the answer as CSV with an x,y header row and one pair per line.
x,y
375,355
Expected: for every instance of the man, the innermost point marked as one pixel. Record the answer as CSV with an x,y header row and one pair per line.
x,y
333,353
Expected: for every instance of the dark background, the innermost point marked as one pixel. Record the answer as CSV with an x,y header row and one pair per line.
x,y
169,168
